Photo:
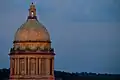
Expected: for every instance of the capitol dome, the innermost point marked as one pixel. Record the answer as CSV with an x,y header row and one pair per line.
x,y
32,56
32,29
32,34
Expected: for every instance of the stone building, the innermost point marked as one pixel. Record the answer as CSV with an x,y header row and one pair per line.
x,y
31,57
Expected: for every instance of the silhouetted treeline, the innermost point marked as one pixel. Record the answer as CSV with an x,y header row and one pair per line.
x,y
61,75
4,74
85,76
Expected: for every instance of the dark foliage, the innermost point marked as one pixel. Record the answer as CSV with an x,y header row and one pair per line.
x,y
86,76
61,75
4,74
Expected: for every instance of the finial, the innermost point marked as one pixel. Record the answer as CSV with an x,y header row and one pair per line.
x,y
32,12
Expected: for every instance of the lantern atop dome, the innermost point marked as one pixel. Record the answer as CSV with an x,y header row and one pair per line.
x,y
32,12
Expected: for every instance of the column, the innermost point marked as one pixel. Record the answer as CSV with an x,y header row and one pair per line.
x,y
53,66
39,66
34,63
28,66
44,66
15,66
33,66
47,67
18,65
11,66
25,64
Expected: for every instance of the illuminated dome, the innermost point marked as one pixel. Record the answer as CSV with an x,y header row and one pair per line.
x,y
32,34
32,29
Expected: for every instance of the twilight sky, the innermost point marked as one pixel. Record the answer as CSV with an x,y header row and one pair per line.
x,y
84,33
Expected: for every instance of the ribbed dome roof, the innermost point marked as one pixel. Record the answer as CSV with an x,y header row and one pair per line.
x,y
32,29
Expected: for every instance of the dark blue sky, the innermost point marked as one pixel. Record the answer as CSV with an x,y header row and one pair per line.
x,y
84,33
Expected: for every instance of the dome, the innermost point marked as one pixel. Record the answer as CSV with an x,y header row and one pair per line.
x,y
32,29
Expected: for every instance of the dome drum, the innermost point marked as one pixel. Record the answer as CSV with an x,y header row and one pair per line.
x,y
28,50
32,45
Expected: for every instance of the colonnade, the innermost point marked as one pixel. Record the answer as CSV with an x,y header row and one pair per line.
x,y
31,66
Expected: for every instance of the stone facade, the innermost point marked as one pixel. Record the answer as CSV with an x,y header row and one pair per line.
x,y
31,66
